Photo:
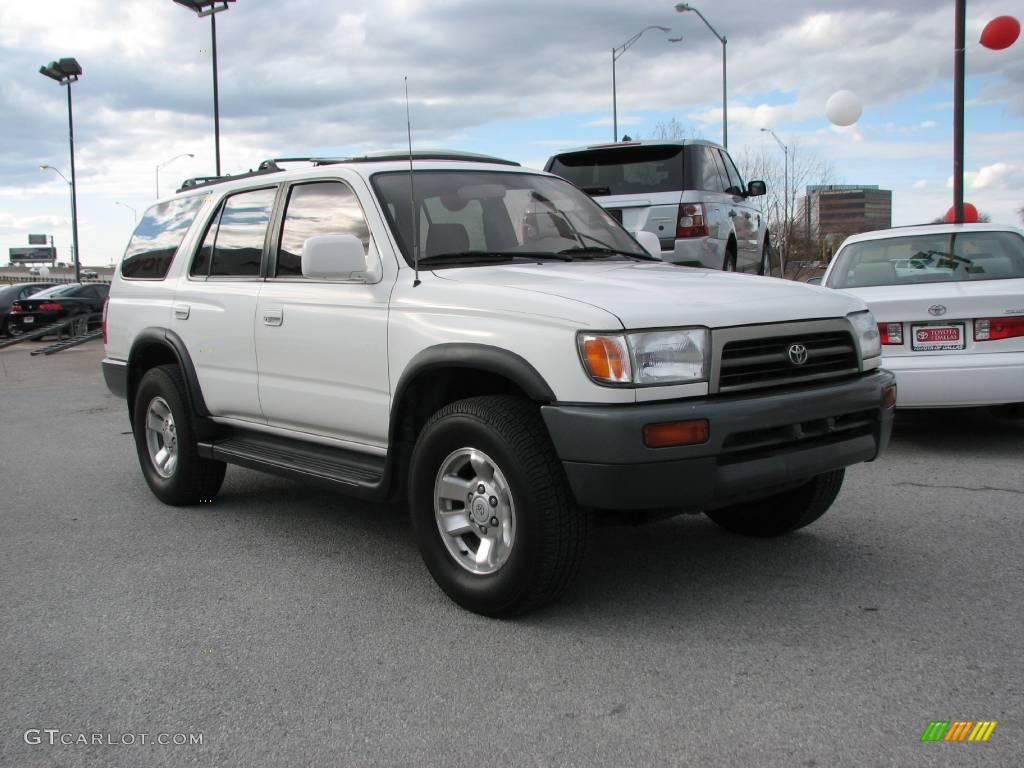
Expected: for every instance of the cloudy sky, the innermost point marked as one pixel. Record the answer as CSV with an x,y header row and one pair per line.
x,y
517,79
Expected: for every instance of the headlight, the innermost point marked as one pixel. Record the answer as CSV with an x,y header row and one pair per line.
x,y
648,358
866,330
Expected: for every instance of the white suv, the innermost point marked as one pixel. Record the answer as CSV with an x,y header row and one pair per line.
x,y
538,370
687,193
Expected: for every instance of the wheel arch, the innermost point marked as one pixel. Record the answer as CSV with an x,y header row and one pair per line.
x,y
159,346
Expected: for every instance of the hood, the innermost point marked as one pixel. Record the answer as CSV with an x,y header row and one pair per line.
x,y
652,295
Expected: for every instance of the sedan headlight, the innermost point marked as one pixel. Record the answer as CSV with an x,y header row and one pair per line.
x,y
866,330
648,358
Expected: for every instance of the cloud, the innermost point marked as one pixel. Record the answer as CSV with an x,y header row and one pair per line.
x,y
920,183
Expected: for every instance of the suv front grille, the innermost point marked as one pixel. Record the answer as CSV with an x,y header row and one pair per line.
x,y
752,363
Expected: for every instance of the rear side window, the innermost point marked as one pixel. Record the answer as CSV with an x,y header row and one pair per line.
x,y
157,238
319,208
233,245
623,170
939,257
702,168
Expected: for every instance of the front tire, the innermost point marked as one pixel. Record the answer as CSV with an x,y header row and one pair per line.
x,y
784,512
491,510
166,443
765,267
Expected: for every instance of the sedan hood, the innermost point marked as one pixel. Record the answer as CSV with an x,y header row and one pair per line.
x,y
652,295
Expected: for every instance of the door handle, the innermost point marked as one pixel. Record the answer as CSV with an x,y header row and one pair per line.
x,y
181,311
273,316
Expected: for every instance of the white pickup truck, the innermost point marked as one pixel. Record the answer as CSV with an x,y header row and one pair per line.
x,y
489,344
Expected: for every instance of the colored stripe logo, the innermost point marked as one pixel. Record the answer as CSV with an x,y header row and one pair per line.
x,y
958,730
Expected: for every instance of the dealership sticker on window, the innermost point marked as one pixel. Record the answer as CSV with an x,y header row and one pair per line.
x,y
929,338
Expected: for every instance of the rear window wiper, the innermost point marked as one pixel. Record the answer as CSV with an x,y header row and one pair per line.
x,y
598,251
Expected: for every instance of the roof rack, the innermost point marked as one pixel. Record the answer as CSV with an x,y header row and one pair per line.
x,y
273,165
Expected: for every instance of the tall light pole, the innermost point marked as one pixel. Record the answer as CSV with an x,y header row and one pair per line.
x,y
784,251
616,55
959,44
135,214
211,8
168,162
65,72
683,8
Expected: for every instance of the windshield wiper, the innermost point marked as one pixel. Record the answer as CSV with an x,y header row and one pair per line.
x,y
594,251
493,256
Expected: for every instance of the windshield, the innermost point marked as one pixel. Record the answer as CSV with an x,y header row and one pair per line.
x,y
941,257
59,290
623,170
475,217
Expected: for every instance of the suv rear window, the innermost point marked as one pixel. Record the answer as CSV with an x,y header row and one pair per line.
x,y
623,170
157,237
941,257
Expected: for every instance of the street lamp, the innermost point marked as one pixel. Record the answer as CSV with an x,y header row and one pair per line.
x,y
66,72
211,8
683,8
784,252
168,162
616,54
135,214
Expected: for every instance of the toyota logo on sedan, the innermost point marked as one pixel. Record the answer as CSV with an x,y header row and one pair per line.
x,y
797,354
936,309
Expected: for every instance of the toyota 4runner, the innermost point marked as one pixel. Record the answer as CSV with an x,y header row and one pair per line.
x,y
489,344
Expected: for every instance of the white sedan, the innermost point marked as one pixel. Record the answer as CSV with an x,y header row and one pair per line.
x,y
949,302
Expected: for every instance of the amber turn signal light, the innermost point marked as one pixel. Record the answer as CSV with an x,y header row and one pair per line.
x,y
674,433
889,398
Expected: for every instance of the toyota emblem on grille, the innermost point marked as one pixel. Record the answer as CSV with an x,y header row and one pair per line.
x,y
797,354
936,309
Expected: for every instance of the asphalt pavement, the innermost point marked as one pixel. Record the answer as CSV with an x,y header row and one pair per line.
x,y
287,626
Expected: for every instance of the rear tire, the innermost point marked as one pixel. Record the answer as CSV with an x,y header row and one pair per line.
x,y
500,444
166,443
784,512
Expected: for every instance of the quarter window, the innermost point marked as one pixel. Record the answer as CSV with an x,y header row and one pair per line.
x,y
157,238
319,208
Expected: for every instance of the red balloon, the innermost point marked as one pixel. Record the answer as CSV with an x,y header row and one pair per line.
x,y
1000,33
970,215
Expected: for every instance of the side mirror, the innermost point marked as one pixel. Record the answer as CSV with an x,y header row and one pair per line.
x,y
333,257
814,281
756,189
650,242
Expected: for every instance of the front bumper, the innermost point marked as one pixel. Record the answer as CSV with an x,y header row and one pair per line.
x,y
759,444
964,379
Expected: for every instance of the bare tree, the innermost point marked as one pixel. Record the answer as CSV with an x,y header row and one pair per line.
x,y
1021,213
788,223
670,130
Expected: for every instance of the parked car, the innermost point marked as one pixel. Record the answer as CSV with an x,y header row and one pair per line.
x,y
89,274
12,293
490,344
82,301
949,300
687,193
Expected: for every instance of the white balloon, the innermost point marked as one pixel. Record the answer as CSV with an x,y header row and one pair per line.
x,y
44,271
844,108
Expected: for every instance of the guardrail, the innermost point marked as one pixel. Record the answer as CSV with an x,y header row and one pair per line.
x,y
56,280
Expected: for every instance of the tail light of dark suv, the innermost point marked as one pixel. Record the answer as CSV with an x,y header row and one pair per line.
x,y
692,221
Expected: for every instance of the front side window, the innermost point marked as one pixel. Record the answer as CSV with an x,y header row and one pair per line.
x,y
233,245
157,238
735,180
939,257
318,208
478,217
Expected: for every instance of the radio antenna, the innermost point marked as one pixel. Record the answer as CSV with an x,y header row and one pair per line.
x,y
412,196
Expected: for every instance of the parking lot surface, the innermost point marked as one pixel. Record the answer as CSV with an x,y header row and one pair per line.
x,y
291,626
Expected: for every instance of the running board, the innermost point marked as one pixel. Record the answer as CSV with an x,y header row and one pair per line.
x,y
355,473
